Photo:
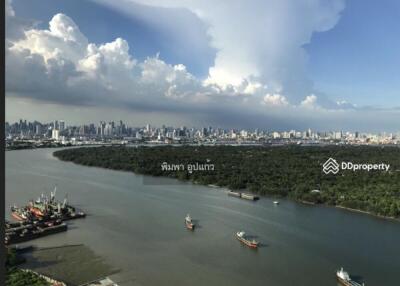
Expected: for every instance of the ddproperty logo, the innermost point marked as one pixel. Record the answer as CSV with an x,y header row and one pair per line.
x,y
331,166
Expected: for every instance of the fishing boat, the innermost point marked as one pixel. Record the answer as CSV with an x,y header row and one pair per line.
x,y
20,213
344,279
241,236
189,223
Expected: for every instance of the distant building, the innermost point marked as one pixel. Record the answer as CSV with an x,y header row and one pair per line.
x,y
61,125
276,135
55,134
338,135
38,130
56,125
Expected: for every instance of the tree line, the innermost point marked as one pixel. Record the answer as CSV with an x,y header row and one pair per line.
x,y
284,171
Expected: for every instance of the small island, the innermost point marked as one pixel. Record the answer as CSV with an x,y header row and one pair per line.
x,y
283,171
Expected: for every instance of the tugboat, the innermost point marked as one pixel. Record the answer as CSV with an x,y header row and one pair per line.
x,y
189,223
241,236
344,279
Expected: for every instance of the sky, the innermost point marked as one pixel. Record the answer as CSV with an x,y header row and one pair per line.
x,y
270,64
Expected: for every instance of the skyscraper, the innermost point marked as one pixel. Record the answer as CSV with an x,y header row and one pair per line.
x,y
61,125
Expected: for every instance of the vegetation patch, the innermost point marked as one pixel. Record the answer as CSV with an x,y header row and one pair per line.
x,y
286,171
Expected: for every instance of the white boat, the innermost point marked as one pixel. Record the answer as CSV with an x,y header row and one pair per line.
x,y
276,202
344,278
189,223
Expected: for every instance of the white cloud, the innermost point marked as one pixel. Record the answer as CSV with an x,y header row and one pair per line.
x,y
343,104
309,102
9,10
62,58
261,39
275,100
259,54
60,65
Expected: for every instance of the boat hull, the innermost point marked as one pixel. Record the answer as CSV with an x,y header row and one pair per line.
x,y
247,242
347,283
17,216
36,212
189,225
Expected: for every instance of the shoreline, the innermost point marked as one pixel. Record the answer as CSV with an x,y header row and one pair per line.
x,y
366,213
226,189
311,203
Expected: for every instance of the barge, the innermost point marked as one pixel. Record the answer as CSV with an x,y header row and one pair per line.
x,y
31,231
245,196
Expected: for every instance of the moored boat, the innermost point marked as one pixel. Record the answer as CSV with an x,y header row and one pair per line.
x,y
189,223
47,208
344,278
241,236
19,213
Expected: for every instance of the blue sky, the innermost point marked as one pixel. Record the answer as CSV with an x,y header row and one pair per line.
x,y
327,64
359,58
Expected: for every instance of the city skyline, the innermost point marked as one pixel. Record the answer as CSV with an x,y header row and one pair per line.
x,y
121,128
182,63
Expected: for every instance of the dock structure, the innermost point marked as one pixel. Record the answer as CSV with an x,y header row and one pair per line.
x,y
26,232
245,196
39,218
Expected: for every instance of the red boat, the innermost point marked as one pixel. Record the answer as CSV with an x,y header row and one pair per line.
x,y
241,236
189,223
19,214
37,212
38,208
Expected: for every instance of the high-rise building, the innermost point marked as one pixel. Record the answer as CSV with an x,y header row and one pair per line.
x,y
338,135
55,134
61,125
38,130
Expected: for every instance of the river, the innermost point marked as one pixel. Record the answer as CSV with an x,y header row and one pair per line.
x,y
137,224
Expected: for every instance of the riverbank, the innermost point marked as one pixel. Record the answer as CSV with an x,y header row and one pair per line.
x,y
251,168
227,191
368,213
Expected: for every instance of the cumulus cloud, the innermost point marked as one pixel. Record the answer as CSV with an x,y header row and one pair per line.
x,y
259,67
275,100
262,53
262,40
9,9
309,102
59,64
